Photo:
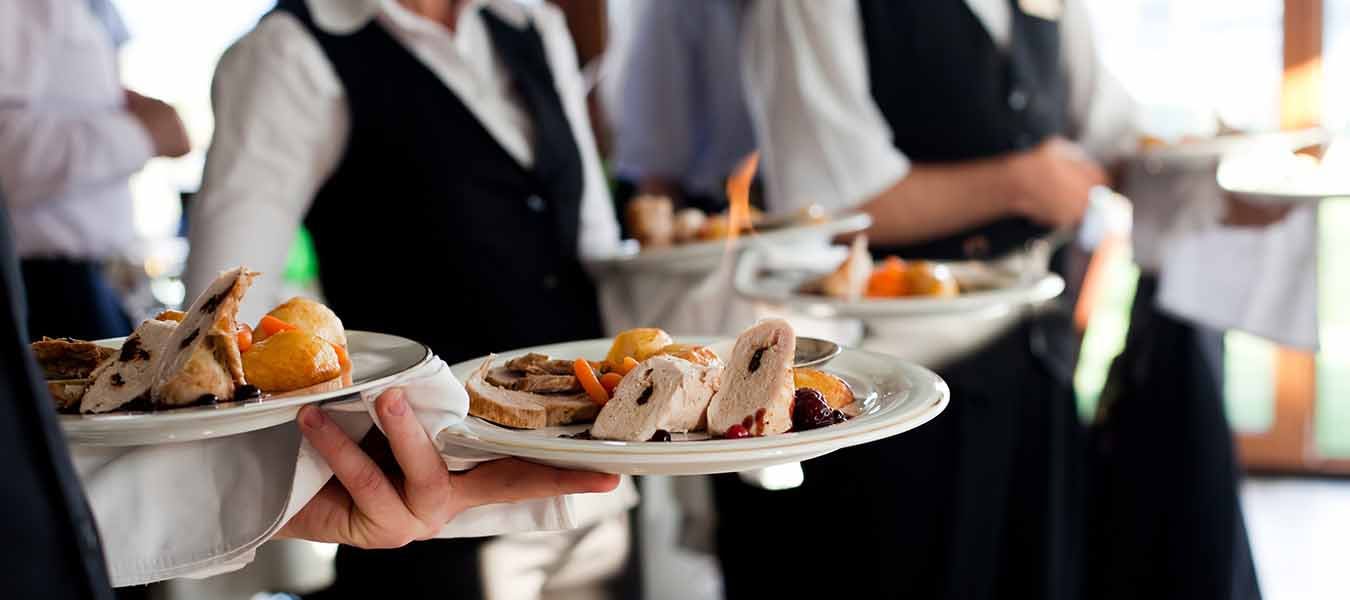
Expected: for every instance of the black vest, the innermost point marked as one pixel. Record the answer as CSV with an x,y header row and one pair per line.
x,y
51,547
950,94
428,228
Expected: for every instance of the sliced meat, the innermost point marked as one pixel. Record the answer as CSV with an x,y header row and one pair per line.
x,y
130,372
505,377
664,392
757,386
203,354
539,364
66,358
524,410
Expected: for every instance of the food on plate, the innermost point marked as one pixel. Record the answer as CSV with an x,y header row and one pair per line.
x,y
640,344
290,360
694,353
66,358
513,406
756,388
833,390
664,393
646,389
200,356
857,277
850,280
654,222
651,220
311,316
925,278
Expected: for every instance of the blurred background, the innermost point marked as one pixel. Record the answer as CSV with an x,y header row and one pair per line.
x,y
1250,65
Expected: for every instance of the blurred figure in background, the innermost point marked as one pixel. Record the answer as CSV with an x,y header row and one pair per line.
x,y
70,136
439,153
681,120
949,123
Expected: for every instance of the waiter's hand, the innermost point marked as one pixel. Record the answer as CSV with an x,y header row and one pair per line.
x,y
162,122
367,507
1052,182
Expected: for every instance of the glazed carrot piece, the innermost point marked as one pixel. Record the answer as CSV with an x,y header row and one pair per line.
x,y
888,280
586,376
344,360
629,363
245,337
609,381
271,325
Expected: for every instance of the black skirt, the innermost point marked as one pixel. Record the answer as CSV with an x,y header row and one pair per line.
x,y
982,502
1165,518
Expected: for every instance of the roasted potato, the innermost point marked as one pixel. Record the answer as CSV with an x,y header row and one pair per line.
x,y
308,315
699,355
170,315
641,344
290,360
925,278
835,390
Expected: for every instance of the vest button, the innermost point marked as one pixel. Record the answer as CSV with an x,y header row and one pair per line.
x,y
535,203
1018,100
550,282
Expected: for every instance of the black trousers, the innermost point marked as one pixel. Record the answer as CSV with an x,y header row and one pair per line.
x,y
69,298
1165,518
982,502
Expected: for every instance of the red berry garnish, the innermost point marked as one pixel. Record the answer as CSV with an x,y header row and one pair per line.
x,y
736,432
810,410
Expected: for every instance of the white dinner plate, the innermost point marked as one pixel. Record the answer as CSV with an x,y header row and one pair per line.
x,y
990,288
377,359
893,397
706,256
1202,154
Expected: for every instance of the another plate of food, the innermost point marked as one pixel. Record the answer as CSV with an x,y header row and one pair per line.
x,y
690,240
1199,153
644,403
861,287
201,374
1275,175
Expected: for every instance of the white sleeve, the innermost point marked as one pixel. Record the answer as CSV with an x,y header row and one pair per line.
x,y
599,229
45,152
822,138
1102,114
281,127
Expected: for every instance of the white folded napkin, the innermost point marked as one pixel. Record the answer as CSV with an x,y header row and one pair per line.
x,y
197,509
1261,280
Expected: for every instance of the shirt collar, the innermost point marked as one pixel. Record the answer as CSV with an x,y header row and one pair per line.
x,y
346,16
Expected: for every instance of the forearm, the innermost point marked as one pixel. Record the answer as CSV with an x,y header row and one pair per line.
x,y
43,155
936,200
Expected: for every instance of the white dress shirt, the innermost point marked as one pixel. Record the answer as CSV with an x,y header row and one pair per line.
x,y
679,112
282,125
67,144
821,135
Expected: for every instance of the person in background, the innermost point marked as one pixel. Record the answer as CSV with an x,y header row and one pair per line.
x,y
949,123
441,149
70,136
681,123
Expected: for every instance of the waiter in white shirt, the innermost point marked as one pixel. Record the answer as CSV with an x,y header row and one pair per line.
x,y
681,124
70,136
440,154
948,123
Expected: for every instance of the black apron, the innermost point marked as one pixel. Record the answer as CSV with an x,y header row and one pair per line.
x,y
1165,520
984,501
429,229
51,548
